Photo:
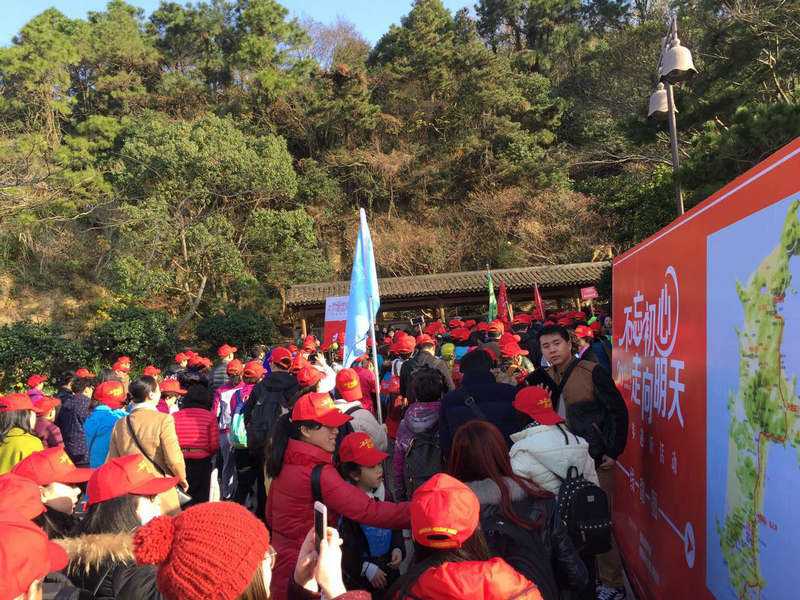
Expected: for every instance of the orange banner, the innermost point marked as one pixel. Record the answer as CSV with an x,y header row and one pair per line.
x,y
708,363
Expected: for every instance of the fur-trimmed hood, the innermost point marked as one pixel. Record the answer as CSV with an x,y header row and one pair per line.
x,y
89,553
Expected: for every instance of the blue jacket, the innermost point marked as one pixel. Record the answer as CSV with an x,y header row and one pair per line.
x,y
98,428
493,398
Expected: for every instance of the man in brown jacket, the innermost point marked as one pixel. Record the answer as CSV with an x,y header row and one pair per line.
x,y
588,399
155,433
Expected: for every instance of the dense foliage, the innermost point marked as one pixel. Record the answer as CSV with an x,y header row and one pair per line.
x,y
202,158
240,328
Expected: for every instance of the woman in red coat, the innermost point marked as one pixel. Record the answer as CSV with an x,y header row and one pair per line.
x,y
298,443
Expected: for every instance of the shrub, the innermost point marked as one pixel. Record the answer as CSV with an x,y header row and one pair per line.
x,y
240,328
144,334
27,348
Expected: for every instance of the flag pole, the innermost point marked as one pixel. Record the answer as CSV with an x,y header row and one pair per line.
x,y
375,361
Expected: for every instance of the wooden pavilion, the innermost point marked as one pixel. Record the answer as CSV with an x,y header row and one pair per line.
x,y
558,284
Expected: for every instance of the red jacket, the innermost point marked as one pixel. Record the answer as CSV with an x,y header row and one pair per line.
x,y
48,432
290,507
197,431
494,579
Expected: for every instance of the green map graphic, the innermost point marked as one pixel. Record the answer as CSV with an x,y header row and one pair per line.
x,y
763,411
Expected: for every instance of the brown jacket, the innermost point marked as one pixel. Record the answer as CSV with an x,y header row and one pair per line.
x,y
594,407
156,433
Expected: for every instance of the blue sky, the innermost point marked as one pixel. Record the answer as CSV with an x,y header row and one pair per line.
x,y
371,17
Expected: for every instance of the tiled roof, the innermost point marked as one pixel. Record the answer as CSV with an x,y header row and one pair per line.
x,y
445,284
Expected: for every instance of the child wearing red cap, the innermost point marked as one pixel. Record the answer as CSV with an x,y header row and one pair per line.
x,y
45,428
301,444
17,421
222,409
371,556
122,496
451,559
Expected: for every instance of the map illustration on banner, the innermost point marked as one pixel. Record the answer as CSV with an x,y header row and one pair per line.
x,y
753,332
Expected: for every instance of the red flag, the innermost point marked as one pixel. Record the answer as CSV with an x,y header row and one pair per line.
x,y
502,303
538,314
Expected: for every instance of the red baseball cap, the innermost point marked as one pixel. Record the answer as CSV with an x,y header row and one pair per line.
x,y
225,349
511,349
425,339
49,465
151,371
35,380
180,357
348,385
235,367
15,402
460,334
45,404
110,393
522,319
171,386
320,409
25,555
298,362
309,344
254,368
496,325
407,345
84,373
359,448
444,512
308,376
469,323
535,402
596,326
132,474
583,331
455,323
482,326
20,494
121,365
281,356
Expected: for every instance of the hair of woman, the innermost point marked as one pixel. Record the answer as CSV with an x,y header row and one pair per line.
x,y
14,418
479,451
116,515
197,396
428,386
141,388
283,429
256,590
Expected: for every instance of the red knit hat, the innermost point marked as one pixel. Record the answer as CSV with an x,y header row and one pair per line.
x,y
193,551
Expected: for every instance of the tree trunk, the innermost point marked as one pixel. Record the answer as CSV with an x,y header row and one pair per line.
x,y
195,303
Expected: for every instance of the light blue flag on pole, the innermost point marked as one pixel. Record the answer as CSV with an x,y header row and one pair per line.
x,y
365,298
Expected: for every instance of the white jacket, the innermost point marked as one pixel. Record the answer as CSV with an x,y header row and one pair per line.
x,y
542,452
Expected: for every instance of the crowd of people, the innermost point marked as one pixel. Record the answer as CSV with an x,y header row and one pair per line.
x,y
478,462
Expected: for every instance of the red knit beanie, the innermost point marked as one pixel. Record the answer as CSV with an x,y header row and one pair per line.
x,y
209,551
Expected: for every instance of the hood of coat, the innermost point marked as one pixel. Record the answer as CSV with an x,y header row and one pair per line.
x,y
488,493
90,552
494,579
422,415
531,431
279,381
344,405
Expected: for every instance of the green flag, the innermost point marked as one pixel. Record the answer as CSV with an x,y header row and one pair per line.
x,y
492,299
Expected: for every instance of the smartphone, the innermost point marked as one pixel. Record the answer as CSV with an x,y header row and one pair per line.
x,y
320,522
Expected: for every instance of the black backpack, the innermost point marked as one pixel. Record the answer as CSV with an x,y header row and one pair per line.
x,y
423,459
520,548
264,412
584,509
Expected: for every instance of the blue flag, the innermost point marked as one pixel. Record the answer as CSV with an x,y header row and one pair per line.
x,y
363,293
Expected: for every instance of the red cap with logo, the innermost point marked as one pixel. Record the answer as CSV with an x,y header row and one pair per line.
x,y
583,331
180,357
225,350
308,376
35,380
535,402
110,393
45,404
511,349
15,402
122,365
320,409
359,448
460,334
20,494
444,512
84,373
171,386
349,385
132,474
309,344
425,339
51,465
151,371
235,367
25,555
281,356
254,368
